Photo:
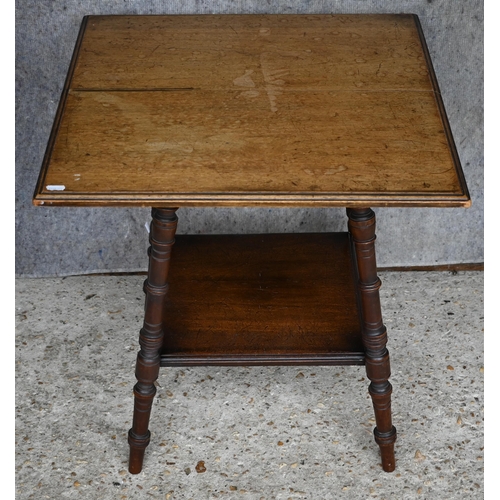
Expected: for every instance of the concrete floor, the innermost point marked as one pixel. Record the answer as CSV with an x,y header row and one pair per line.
x,y
262,433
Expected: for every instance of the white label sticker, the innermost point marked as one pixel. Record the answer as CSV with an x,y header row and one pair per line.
x,y
56,187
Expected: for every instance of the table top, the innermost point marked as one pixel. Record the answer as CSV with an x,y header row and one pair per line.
x,y
251,110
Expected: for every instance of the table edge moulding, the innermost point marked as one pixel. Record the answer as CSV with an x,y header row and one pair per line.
x,y
252,111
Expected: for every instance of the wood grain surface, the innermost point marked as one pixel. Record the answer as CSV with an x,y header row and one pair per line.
x,y
251,110
262,299
252,51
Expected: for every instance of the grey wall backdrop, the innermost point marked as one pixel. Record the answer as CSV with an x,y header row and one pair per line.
x,y
64,241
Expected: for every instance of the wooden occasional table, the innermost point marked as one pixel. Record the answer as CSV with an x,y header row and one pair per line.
x,y
255,111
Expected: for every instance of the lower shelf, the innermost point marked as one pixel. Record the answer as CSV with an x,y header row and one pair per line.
x,y
266,299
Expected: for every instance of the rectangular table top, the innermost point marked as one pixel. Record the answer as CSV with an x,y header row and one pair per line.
x,y
251,110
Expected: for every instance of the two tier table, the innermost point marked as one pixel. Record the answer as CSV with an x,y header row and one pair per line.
x,y
255,111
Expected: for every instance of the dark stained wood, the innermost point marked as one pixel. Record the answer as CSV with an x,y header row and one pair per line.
x,y
255,110
251,111
374,334
262,299
162,234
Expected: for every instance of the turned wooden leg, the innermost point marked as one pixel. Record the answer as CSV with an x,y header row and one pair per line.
x,y
161,238
374,334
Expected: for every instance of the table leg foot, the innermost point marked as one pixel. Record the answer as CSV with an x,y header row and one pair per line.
x,y
161,237
384,432
374,334
386,444
380,390
138,446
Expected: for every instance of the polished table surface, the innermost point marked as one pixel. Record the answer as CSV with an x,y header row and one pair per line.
x,y
251,110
